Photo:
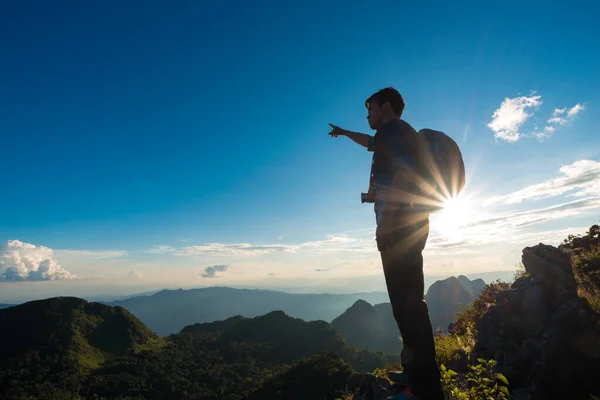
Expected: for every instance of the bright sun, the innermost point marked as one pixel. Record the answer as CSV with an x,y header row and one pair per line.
x,y
456,213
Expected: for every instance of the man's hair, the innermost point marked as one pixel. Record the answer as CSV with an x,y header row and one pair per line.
x,y
388,94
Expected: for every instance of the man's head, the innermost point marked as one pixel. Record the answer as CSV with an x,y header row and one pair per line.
x,y
383,106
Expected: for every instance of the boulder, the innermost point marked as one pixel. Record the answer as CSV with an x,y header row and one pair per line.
x,y
552,268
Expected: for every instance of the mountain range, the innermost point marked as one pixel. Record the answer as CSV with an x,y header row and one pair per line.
x,y
168,311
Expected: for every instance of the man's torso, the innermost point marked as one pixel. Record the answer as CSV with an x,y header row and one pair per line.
x,y
395,140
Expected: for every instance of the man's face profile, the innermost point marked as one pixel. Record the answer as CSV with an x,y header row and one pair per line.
x,y
375,114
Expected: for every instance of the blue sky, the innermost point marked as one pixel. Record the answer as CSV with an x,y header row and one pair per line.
x,y
145,143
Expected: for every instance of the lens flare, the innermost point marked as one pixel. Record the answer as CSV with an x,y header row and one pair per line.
x,y
457,212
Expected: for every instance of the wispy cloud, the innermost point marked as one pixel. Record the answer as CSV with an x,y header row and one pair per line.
x,y
579,179
529,217
507,120
507,236
331,240
92,255
161,249
211,272
21,261
559,117
239,249
331,243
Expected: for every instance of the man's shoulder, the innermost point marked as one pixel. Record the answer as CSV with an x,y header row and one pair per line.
x,y
398,126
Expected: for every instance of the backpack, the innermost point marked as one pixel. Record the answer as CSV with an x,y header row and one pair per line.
x,y
441,169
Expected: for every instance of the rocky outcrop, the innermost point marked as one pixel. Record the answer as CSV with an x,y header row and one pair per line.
x,y
544,338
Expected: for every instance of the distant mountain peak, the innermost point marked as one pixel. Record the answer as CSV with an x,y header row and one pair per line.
x,y
277,313
360,309
363,326
360,303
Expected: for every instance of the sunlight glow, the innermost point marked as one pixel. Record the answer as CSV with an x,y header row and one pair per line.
x,y
456,214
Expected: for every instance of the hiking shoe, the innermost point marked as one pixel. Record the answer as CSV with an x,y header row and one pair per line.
x,y
398,377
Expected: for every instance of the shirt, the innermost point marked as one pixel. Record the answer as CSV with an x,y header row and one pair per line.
x,y
394,147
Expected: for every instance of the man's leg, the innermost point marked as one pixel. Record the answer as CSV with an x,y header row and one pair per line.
x,y
403,268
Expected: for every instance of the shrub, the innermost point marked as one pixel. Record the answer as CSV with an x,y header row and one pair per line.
x,y
585,260
479,383
451,348
467,318
520,272
586,268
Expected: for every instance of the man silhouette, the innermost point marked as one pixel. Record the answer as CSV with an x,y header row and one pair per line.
x,y
401,235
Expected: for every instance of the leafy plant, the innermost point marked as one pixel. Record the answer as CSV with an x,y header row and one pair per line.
x,y
586,268
381,372
479,383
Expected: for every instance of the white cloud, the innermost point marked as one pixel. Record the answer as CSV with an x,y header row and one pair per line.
x,y
211,272
557,120
512,114
134,275
26,262
575,110
582,178
507,120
